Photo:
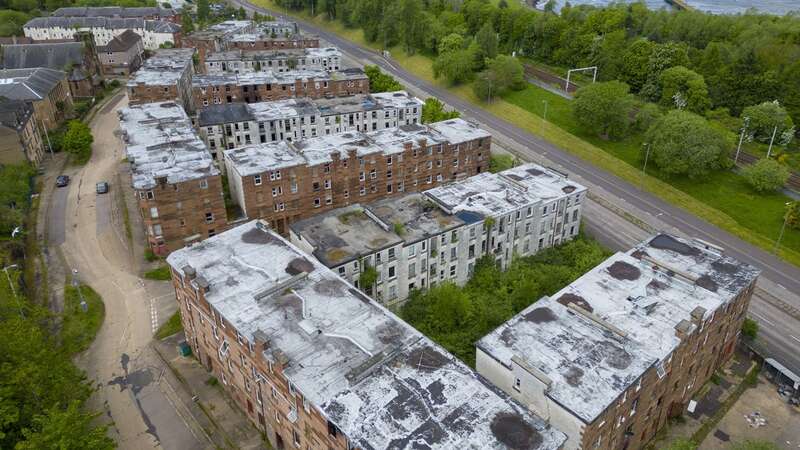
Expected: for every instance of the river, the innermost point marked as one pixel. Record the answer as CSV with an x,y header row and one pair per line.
x,y
713,6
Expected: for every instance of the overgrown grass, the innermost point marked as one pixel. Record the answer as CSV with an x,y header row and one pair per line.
x,y
78,328
171,326
722,199
501,162
160,273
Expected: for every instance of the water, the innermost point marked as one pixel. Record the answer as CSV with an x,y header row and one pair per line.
x,y
713,6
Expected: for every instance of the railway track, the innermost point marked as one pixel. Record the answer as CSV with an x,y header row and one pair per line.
x,y
746,159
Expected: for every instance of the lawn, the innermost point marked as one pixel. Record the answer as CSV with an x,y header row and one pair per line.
x,y
721,199
160,273
78,328
170,327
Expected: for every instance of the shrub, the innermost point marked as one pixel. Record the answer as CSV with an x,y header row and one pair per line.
x,y
683,143
767,175
750,328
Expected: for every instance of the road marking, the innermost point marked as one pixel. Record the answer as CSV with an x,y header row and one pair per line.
x,y
762,318
153,316
796,339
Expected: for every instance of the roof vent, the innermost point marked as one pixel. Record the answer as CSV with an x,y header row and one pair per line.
x,y
189,272
698,313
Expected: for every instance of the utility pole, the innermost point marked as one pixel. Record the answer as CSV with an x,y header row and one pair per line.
x,y
774,131
741,138
77,285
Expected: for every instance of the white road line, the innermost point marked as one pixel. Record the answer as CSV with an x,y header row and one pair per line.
x,y
762,318
796,339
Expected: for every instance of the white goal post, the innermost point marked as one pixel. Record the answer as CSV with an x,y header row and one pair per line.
x,y
569,73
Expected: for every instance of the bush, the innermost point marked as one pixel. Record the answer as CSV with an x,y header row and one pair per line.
x,y
683,143
750,328
433,111
793,215
78,141
381,82
501,162
149,256
767,175
646,116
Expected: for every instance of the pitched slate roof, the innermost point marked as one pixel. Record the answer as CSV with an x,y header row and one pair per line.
x,y
28,84
121,43
56,56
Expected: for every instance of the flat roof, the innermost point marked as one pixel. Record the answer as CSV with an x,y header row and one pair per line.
x,y
380,381
321,149
263,55
398,99
291,108
485,194
459,130
344,234
165,67
547,183
628,310
161,143
272,77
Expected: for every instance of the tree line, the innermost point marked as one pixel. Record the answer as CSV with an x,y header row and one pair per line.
x,y
743,60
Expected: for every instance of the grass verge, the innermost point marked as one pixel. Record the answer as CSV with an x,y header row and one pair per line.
x,y
723,198
79,328
170,327
160,273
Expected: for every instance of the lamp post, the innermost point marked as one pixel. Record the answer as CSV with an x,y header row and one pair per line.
x,y
646,157
772,140
11,285
544,117
783,228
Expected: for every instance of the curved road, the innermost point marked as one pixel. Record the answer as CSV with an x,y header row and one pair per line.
x,y
780,331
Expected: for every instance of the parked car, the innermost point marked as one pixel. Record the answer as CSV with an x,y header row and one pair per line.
x,y
102,187
62,180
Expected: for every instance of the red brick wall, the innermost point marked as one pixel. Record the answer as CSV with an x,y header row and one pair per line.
x,y
344,176
182,209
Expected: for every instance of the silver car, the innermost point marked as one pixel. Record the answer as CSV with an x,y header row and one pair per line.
x,y
102,187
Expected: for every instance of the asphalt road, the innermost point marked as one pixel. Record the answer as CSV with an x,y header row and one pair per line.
x,y
780,335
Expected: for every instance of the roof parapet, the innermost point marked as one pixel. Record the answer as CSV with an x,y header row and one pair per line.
x,y
538,374
697,314
596,319
282,286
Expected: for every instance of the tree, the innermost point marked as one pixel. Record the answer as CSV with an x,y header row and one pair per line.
x,y
647,114
78,141
682,88
767,175
433,111
683,143
663,57
381,82
750,328
241,13
187,25
487,41
65,429
769,117
203,10
604,108
455,66
451,43
503,73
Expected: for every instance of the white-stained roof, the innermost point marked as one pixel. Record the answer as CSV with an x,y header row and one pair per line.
x,y
547,183
382,383
161,143
459,130
165,67
398,99
632,305
321,149
271,77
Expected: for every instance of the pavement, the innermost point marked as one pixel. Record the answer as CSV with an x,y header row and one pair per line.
x,y
84,231
780,426
780,281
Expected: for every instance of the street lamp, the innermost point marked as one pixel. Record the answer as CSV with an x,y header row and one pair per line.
x,y
544,117
783,228
646,157
11,285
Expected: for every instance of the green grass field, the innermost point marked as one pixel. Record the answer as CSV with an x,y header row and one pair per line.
x,y
170,327
722,199
79,328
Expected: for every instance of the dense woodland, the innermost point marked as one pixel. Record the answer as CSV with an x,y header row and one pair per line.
x,y
744,59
